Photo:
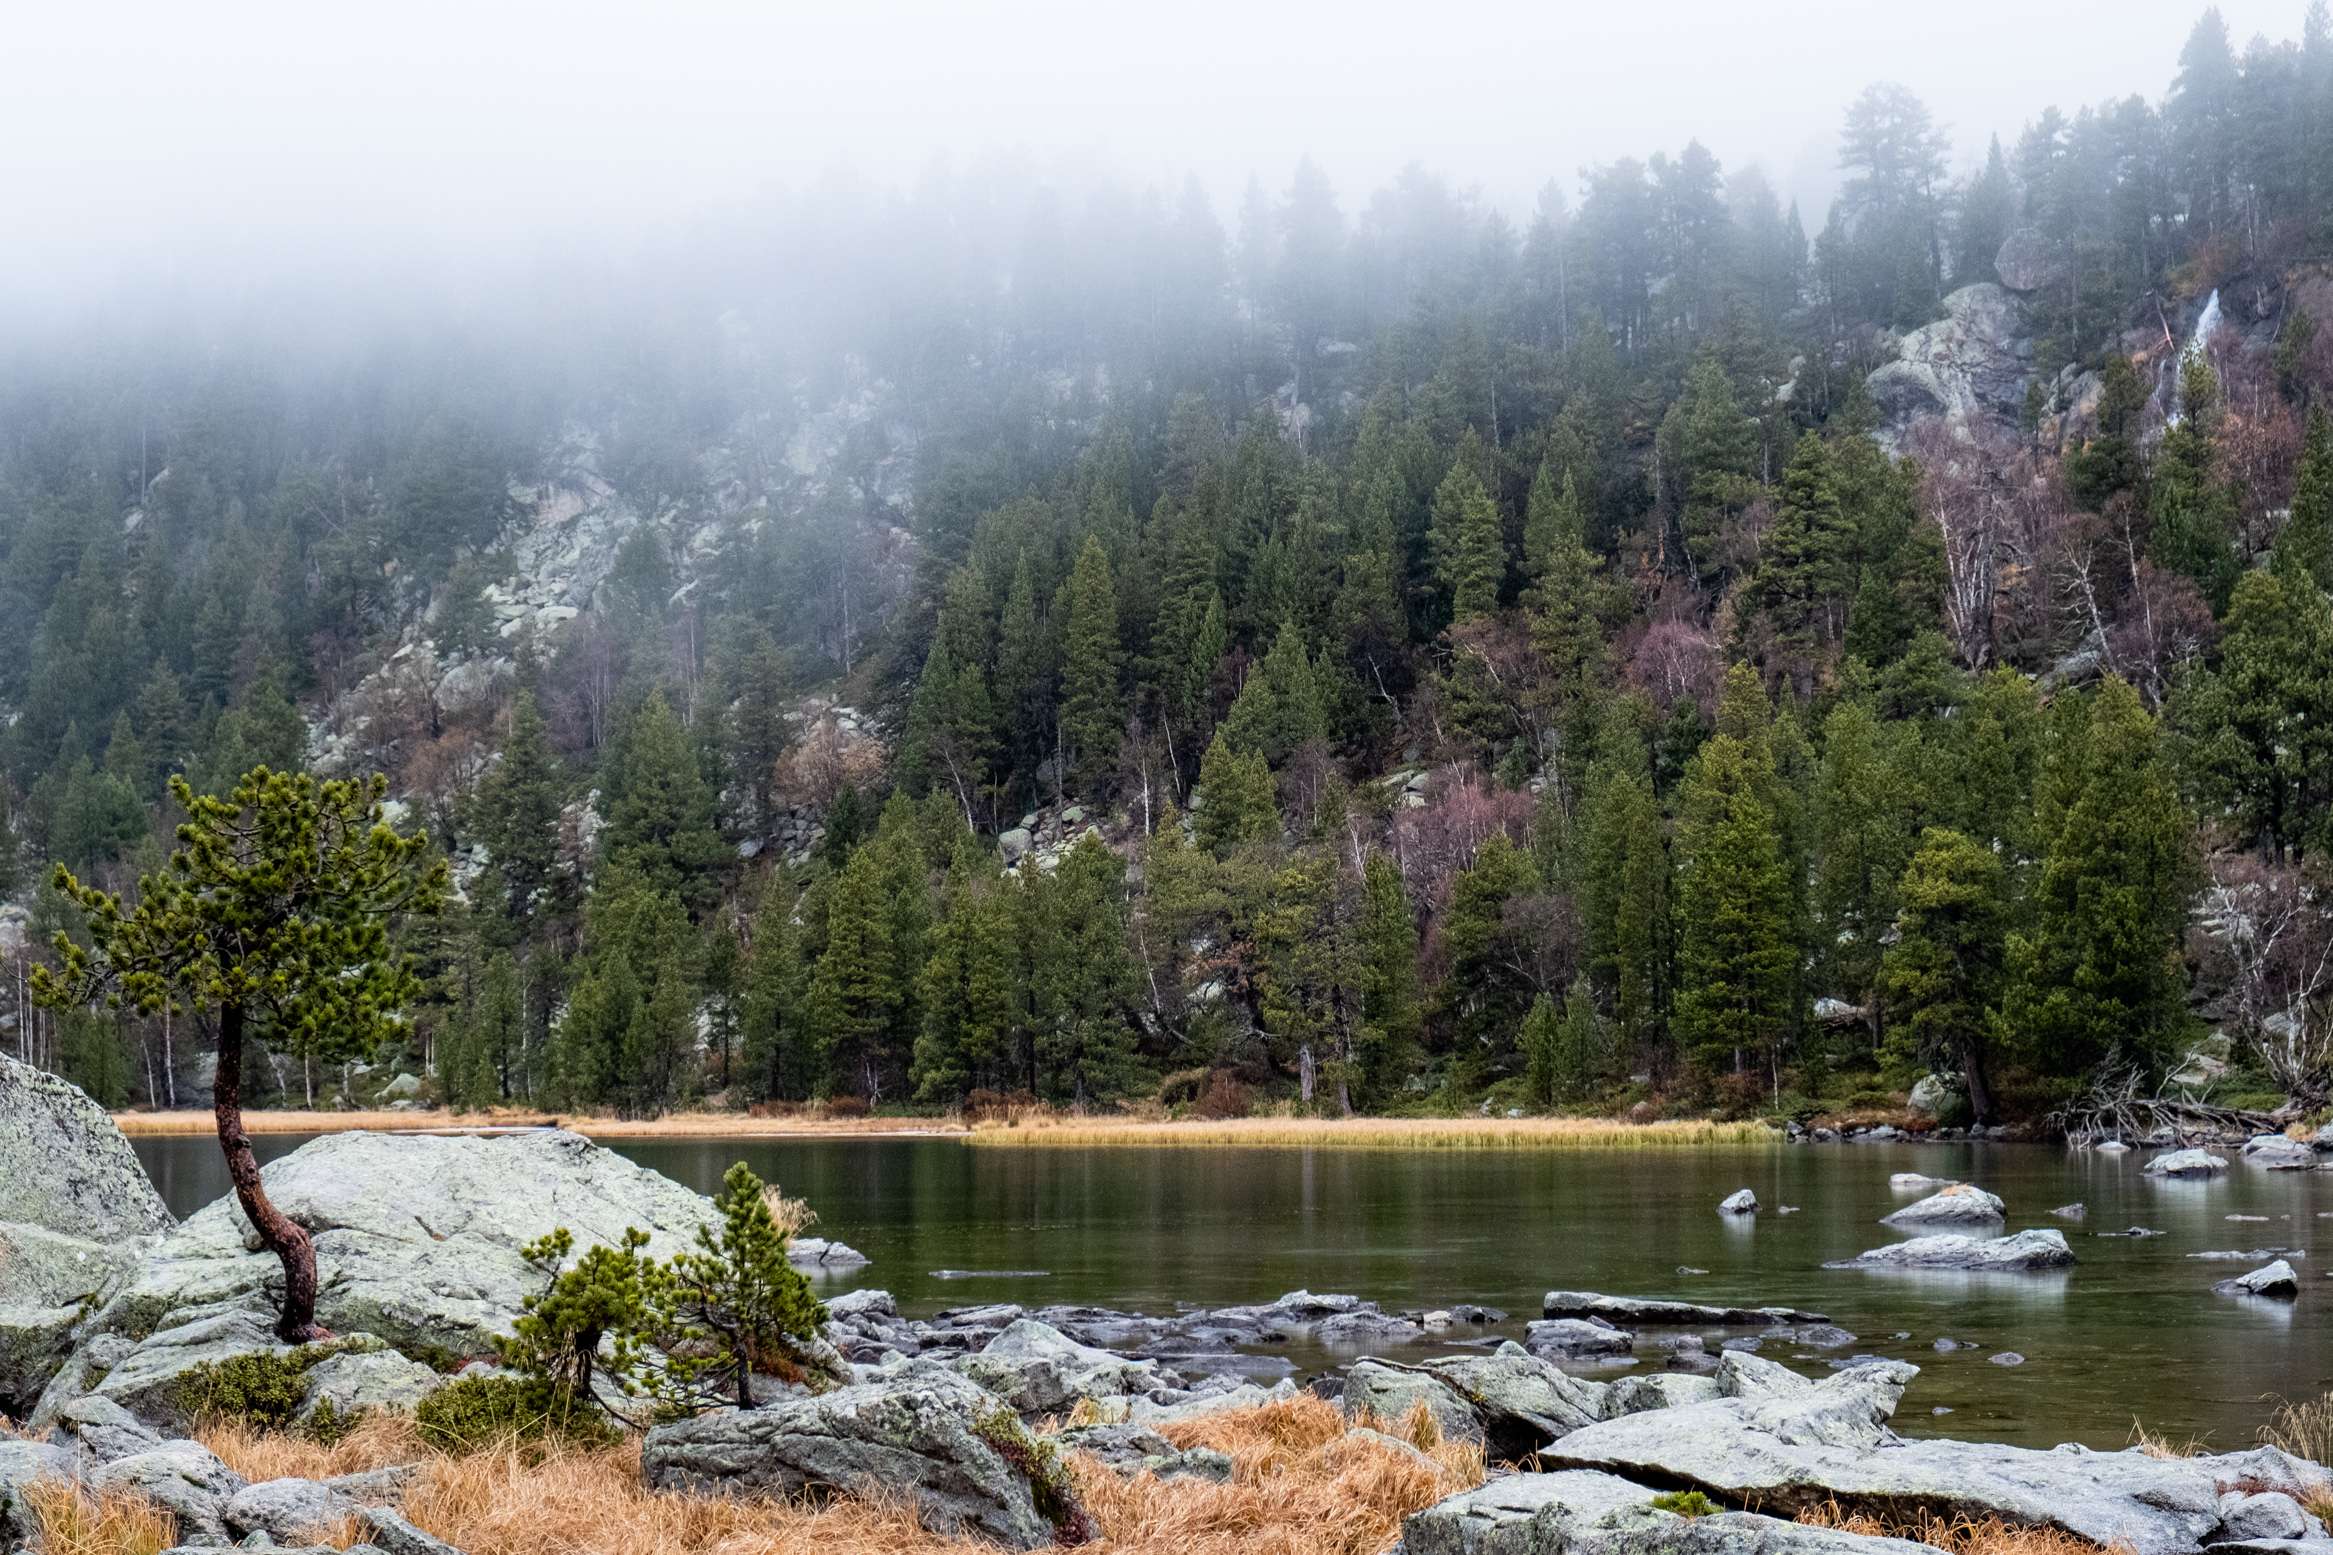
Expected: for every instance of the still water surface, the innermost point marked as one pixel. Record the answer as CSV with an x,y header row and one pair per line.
x,y
2134,1331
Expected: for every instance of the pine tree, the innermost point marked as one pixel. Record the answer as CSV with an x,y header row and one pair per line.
x,y
2190,502
1804,570
1392,1006
1942,974
1312,977
515,813
1093,712
774,1033
1486,994
1624,890
1237,803
1470,552
659,812
2095,974
1737,959
1280,709
1867,799
1022,692
854,997
1084,978
2306,543
726,1306
974,990
2255,734
1542,1044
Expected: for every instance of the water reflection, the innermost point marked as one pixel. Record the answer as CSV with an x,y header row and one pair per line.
x,y
2135,1330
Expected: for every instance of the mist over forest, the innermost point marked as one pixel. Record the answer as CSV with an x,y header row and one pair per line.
x,y
1718,634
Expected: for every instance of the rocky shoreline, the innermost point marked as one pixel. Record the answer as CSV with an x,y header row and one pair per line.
x,y
968,1412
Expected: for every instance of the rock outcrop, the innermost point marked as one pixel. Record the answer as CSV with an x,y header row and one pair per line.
x,y
942,1441
1958,1205
1966,369
76,1210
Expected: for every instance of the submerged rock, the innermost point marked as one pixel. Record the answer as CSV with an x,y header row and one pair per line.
x,y
1654,1311
941,1441
2025,1252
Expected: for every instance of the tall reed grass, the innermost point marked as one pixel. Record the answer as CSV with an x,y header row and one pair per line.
x,y
1378,1133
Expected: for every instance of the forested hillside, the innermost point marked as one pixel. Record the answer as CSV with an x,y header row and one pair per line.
x,y
1669,650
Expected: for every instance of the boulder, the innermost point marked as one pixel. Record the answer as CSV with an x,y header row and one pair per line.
x,y
941,1441
1577,1336
393,1535
1932,1096
1914,1182
2185,1163
289,1511
22,1463
1739,1202
149,1381
1039,1370
1660,1390
2026,1252
357,1382
2275,1279
1135,1449
1830,1444
813,1252
1369,1327
1959,1205
76,1209
2269,1514
2279,1150
417,1241
185,1479
1511,1401
102,1428
2029,261
1656,1312
1581,1512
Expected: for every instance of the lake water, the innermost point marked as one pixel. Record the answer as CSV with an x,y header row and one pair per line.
x,y
2133,1332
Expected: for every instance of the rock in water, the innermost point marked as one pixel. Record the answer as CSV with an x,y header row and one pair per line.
x,y
1740,1202
942,1441
1958,1205
2279,1150
1915,1182
76,1209
2276,1279
2185,1163
2025,1252
1577,1336
1657,1311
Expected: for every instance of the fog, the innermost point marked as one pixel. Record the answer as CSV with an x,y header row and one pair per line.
x,y
242,144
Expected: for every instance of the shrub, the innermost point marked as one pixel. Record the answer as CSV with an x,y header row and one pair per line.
x,y
1224,1097
847,1107
1183,1087
475,1412
1686,1503
732,1306
587,1323
1037,1461
261,1389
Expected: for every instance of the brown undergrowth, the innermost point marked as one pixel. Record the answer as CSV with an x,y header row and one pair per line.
x,y
1959,1535
1303,1484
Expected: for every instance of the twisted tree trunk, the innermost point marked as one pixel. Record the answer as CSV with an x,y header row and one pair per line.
x,y
281,1235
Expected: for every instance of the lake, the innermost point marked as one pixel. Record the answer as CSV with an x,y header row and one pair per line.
x,y
2134,1332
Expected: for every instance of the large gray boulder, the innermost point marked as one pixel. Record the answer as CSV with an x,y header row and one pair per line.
x,y
1959,1205
1039,1370
2274,1279
417,1241
1830,1443
76,1210
289,1511
2026,1252
1580,1512
1510,1400
1577,1336
940,1440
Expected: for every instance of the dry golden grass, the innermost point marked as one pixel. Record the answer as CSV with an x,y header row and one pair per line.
x,y
1302,1485
114,1522
1959,1535
2155,1444
2304,1429
692,1125
1379,1133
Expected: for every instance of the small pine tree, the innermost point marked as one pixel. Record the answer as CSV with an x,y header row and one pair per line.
x,y
1470,553
1238,805
733,1306
1093,710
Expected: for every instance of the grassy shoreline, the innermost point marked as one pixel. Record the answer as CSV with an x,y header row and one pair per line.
x,y
687,1125
1374,1133
1026,1132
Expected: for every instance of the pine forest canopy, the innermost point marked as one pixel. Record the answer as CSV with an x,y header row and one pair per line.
x,y
1406,655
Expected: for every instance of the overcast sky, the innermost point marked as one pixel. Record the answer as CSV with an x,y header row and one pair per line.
x,y
174,132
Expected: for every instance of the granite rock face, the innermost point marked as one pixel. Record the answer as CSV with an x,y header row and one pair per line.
x,y
76,1210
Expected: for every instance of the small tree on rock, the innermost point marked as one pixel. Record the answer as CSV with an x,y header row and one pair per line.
x,y
733,1306
274,913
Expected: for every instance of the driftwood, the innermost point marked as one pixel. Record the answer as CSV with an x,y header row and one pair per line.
x,y
2119,1105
